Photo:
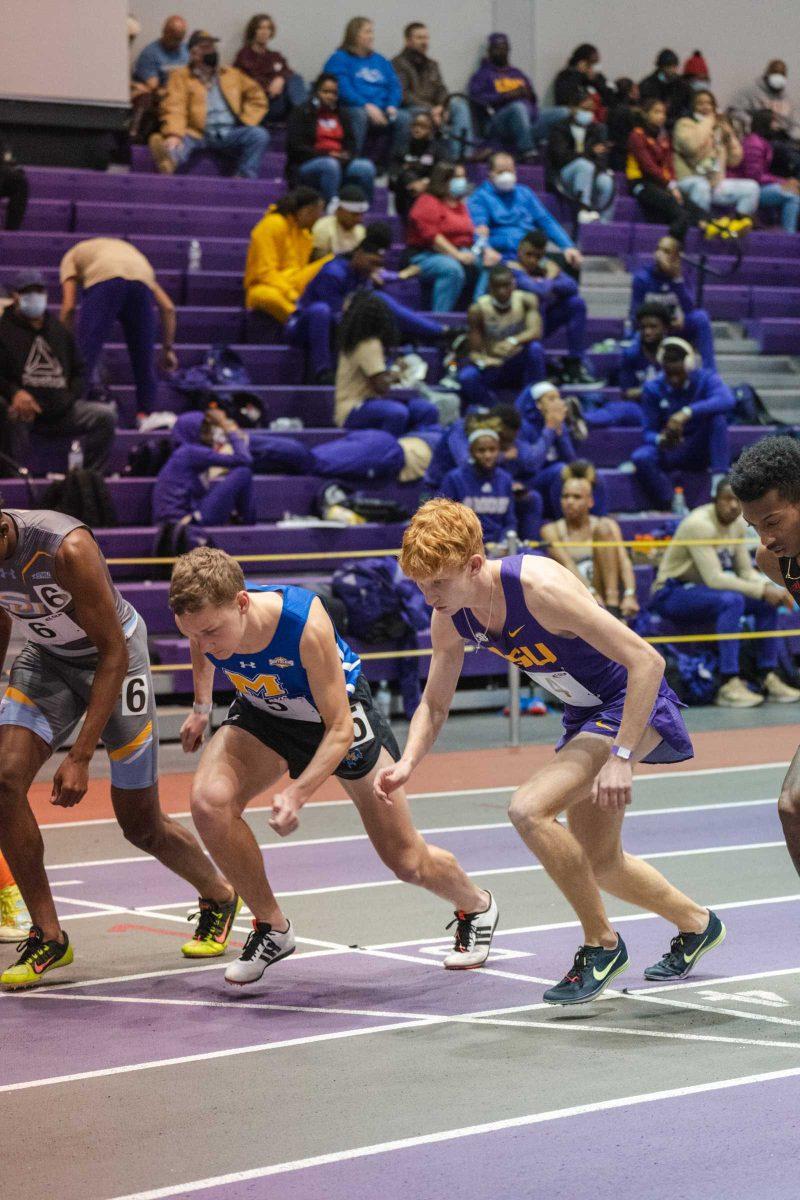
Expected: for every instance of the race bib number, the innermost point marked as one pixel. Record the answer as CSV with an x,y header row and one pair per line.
x,y
566,688
290,708
362,730
135,695
56,630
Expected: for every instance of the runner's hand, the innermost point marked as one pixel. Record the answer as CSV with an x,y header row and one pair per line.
x,y
390,779
284,814
614,784
70,783
193,732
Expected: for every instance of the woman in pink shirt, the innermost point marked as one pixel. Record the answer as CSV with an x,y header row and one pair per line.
x,y
441,237
776,192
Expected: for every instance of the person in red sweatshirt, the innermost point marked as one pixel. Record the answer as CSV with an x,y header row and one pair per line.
x,y
650,174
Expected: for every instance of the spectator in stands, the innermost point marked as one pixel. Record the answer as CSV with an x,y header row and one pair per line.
x,y
606,569
705,148
698,585
685,413
696,73
504,339
621,121
441,237
368,336
13,187
42,379
118,284
205,442
504,211
640,363
577,160
208,107
285,89
341,230
651,176
411,167
369,86
774,191
155,62
661,281
548,419
321,145
560,303
324,298
505,97
424,90
484,486
279,265
769,93
582,74
666,84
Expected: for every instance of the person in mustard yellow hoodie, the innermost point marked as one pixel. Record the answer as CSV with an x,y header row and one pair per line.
x,y
208,107
279,263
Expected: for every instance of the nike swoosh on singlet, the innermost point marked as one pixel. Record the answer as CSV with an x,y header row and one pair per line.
x,y
513,632
600,975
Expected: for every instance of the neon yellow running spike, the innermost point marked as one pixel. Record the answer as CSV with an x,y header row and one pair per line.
x,y
14,919
214,924
37,959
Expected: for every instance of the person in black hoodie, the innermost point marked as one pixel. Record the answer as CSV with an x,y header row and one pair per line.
x,y
411,168
582,71
320,145
577,159
666,83
42,379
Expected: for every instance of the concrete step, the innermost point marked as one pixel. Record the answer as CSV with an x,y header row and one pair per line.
x,y
763,364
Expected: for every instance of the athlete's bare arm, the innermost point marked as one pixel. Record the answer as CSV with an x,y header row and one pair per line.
x,y
443,674
194,727
320,658
564,607
558,553
6,625
81,570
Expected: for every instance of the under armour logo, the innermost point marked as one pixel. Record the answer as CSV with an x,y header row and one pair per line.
x,y
248,664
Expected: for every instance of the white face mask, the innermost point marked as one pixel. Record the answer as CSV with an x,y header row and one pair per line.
x,y
219,437
33,304
506,181
583,117
776,81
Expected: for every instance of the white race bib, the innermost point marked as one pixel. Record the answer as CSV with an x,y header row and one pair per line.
x,y
563,685
289,708
55,629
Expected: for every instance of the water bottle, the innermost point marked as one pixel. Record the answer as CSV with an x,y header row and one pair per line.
x,y
75,457
195,260
679,506
383,699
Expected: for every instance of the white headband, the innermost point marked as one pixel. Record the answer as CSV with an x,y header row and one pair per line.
x,y
479,433
541,389
353,206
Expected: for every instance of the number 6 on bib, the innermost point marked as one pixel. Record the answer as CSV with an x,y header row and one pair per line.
x,y
134,695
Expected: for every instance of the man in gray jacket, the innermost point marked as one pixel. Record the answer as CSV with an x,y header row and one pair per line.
x,y
424,90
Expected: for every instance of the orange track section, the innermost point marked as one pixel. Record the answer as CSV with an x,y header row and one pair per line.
x,y
461,769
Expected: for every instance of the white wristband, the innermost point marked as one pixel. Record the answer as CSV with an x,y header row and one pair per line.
x,y
621,752
202,710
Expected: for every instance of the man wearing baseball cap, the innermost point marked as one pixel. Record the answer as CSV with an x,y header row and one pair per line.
x,y
208,107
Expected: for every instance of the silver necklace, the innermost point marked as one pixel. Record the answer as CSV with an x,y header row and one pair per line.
x,y
482,637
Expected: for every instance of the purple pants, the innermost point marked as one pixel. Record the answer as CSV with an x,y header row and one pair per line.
x,y
232,493
520,371
568,314
691,605
130,303
705,447
393,416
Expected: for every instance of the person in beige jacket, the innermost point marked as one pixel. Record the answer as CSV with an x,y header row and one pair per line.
x,y
701,585
705,145
208,107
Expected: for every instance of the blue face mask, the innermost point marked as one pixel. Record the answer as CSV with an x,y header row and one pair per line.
x,y
458,187
583,117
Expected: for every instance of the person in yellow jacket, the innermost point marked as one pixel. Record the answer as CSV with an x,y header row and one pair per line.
x,y
208,107
279,263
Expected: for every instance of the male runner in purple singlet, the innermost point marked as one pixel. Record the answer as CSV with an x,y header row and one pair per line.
x,y
617,711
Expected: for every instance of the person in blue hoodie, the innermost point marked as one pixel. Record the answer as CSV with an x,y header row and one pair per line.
x,y
483,486
661,281
369,88
505,97
638,365
684,410
183,492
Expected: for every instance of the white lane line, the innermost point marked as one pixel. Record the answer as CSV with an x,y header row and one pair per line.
x,y
715,982
692,1006
289,844
467,1131
656,775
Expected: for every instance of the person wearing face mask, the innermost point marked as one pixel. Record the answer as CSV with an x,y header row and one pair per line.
x,y
505,98
155,62
504,211
42,379
661,282
577,160
695,72
503,330
706,147
582,73
685,412
651,175
284,88
441,238
208,107
769,93
341,230
183,492
321,146
667,85
775,191
411,167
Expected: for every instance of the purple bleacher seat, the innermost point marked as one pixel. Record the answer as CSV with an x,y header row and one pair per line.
x,y
185,220
266,364
214,287
776,335
210,165
54,216
611,238
204,326
775,302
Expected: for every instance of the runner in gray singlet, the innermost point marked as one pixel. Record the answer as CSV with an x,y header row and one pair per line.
x,y
85,657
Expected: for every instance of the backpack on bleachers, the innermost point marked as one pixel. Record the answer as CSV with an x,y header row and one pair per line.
x,y
83,495
148,457
381,603
223,368
750,408
693,675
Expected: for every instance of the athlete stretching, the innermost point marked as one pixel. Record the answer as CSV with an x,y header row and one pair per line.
x,y
301,703
86,656
766,481
618,711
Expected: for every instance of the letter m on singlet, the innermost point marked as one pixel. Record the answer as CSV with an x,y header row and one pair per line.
x,y
265,686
